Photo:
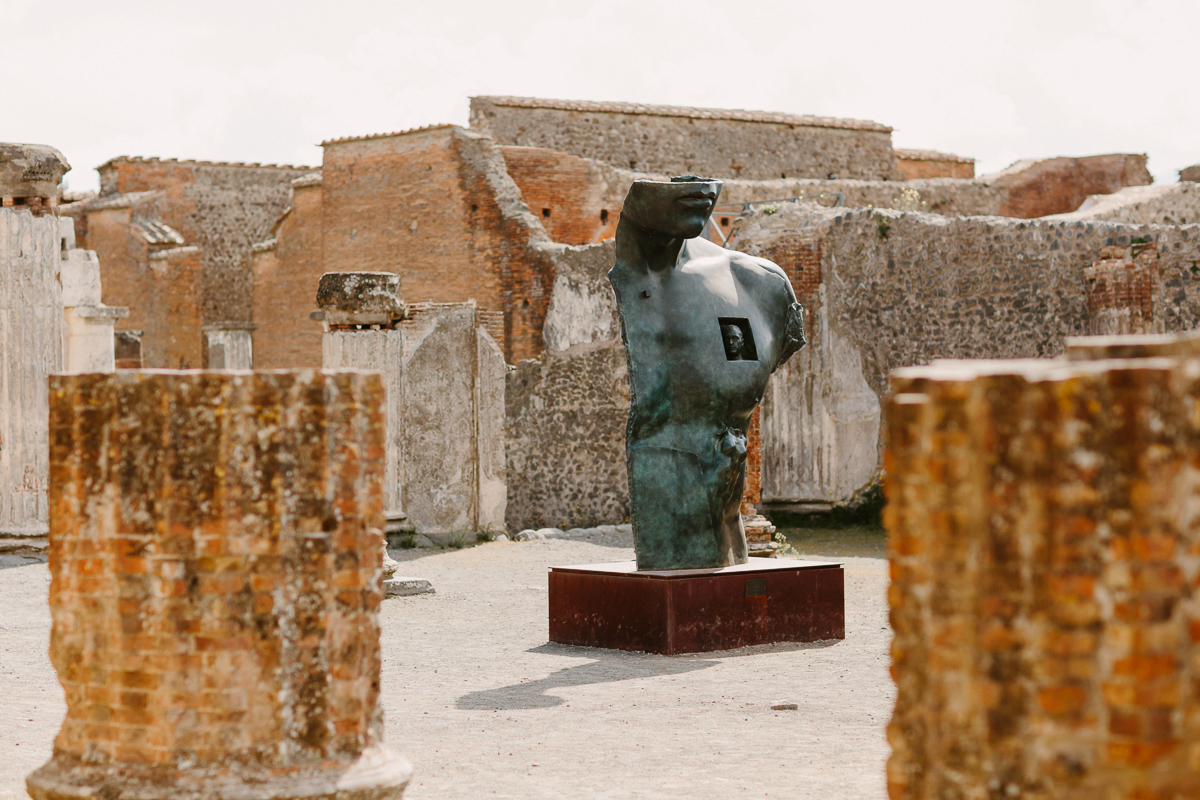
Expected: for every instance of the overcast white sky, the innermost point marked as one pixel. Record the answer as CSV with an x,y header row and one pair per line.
x,y
258,80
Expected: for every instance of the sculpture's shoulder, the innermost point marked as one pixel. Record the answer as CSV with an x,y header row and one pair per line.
x,y
763,274
770,285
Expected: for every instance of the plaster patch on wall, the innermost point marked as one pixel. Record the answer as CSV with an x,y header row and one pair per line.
x,y
820,423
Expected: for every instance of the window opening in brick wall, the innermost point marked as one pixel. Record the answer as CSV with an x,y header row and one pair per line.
x,y
546,213
604,216
724,222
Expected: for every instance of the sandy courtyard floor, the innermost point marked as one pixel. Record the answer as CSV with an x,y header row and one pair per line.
x,y
483,706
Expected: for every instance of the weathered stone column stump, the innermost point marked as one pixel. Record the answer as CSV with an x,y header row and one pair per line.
x,y
215,547
1044,535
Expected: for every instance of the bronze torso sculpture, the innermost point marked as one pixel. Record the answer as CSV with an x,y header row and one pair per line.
x,y
704,328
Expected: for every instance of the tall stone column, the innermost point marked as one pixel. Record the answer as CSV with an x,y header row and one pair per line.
x,y
31,328
362,312
215,546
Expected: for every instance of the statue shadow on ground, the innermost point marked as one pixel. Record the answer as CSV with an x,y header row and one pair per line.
x,y
609,666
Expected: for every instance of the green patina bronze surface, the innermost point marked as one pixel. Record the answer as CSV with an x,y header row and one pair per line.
x,y
704,328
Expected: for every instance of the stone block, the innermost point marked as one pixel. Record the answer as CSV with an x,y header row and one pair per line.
x,y
30,170
360,298
397,586
226,530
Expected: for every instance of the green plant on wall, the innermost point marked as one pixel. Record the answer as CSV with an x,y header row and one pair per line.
x,y
883,227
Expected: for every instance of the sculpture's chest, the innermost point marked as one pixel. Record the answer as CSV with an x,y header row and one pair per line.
x,y
701,329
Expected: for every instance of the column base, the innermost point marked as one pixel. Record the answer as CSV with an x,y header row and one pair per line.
x,y
378,774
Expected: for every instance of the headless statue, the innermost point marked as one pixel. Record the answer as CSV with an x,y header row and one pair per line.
x,y
704,328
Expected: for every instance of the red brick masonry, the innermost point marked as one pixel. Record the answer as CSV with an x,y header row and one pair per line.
x,y
1043,536
215,549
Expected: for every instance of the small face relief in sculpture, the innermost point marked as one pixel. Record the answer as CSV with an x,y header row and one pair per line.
x,y
679,208
734,341
737,339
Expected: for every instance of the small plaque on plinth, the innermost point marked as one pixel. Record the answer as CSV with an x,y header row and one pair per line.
x,y
696,610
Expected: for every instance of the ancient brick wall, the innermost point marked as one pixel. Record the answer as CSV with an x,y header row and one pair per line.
x,y
914,164
572,195
171,338
286,272
677,141
1037,188
161,286
437,207
215,553
1043,544
566,411
1122,290
222,208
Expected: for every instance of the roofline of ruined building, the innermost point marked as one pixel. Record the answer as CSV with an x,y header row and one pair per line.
x,y
909,154
407,132
100,202
191,163
737,115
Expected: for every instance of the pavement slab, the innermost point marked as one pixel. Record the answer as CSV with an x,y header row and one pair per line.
x,y
483,706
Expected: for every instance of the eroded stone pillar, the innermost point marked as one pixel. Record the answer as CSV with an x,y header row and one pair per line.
x,y
1043,536
215,544
31,328
362,313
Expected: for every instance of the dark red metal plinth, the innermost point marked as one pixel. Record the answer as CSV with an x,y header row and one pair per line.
x,y
696,610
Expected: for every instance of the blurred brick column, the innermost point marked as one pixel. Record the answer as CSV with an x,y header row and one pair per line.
x,y
215,545
759,530
1043,538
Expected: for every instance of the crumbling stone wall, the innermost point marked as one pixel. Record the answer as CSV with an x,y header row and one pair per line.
x,y
719,143
579,199
566,411
886,289
1038,188
1170,204
1042,538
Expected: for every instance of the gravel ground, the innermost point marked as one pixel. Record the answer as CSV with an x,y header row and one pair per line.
x,y
483,706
